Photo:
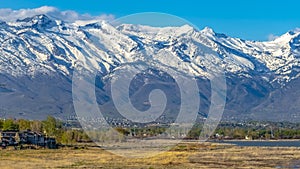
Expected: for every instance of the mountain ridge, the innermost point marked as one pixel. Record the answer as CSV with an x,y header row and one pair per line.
x,y
45,48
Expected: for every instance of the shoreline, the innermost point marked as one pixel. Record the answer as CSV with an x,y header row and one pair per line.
x,y
271,140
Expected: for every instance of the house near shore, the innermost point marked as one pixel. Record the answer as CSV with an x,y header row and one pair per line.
x,y
8,138
14,138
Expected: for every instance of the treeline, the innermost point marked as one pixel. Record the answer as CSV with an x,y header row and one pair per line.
x,y
224,131
51,127
254,133
67,135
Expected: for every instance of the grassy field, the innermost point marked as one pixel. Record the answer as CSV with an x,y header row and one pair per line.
x,y
184,155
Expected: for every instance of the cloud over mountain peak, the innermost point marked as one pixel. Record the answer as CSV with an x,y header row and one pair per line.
x,y
10,15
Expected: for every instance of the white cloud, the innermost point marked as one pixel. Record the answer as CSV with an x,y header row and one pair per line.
x,y
297,30
68,16
272,37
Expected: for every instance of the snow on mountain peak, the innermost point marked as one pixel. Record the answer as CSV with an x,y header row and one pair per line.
x,y
186,28
178,30
208,31
104,46
38,21
34,19
287,37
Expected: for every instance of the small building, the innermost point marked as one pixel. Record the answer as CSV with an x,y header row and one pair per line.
x,y
35,138
14,138
8,138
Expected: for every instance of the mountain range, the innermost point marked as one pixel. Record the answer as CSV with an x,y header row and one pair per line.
x,y
38,56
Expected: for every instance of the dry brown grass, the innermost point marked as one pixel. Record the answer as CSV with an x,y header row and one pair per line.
x,y
185,155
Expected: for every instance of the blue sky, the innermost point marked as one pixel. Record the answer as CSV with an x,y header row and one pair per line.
x,y
253,20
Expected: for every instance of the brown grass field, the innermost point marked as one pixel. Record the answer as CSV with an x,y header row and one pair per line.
x,y
184,155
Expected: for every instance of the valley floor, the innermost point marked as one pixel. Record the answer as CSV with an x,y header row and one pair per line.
x,y
185,155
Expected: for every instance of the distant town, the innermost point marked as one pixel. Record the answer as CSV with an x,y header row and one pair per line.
x,y
51,132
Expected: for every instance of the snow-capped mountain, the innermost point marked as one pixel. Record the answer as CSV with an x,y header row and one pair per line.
x,y
38,56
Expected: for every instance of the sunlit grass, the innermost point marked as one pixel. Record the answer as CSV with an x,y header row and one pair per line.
x,y
184,155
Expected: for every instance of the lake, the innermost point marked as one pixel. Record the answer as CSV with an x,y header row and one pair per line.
x,y
264,143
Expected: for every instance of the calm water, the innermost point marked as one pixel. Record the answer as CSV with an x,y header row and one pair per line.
x,y
294,143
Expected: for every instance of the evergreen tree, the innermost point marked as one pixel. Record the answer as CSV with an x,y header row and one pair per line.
x,y
10,125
